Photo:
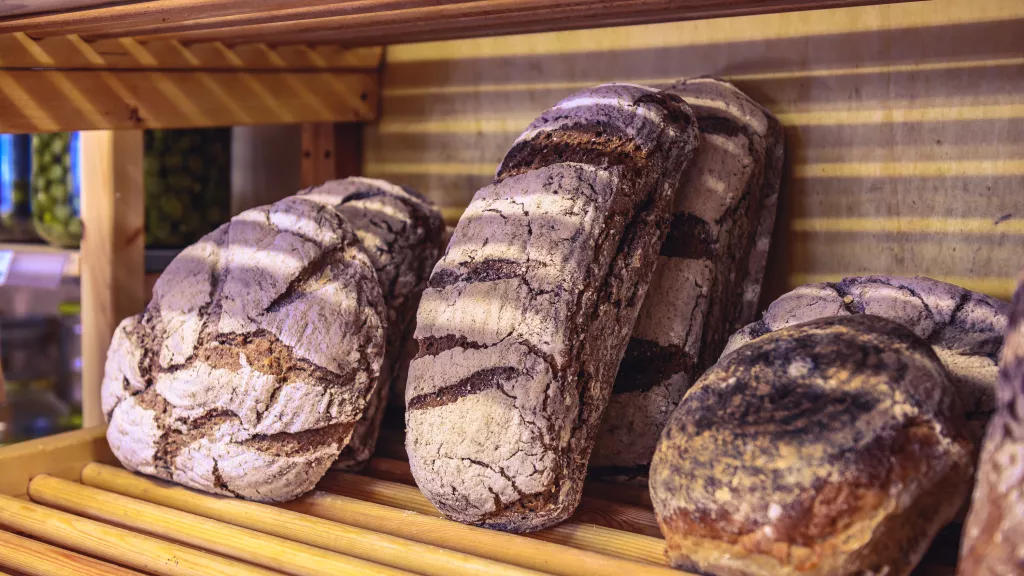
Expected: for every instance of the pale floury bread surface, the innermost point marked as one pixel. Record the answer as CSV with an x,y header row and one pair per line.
x,y
249,369
402,234
965,328
832,447
527,315
708,277
993,537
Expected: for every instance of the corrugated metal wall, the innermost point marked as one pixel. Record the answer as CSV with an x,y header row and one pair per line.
x,y
905,125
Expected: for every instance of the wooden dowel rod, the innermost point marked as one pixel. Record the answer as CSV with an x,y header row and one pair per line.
x,y
251,546
34,558
364,543
575,534
137,551
601,512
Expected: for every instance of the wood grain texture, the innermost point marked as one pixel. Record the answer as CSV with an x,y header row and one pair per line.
x,y
579,535
34,558
113,250
106,542
351,539
904,123
319,153
61,455
202,533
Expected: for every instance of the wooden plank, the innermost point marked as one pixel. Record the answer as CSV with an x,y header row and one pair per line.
x,y
13,7
333,519
113,250
318,154
220,538
580,535
46,101
127,548
355,541
18,50
348,146
61,455
34,558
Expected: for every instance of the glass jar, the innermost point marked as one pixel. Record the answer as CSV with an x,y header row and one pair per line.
x,y
56,188
15,203
188,184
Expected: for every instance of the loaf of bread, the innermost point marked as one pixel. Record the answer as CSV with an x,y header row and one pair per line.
x,y
527,315
965,328
708,277
401,232
249,369
993,538
832,447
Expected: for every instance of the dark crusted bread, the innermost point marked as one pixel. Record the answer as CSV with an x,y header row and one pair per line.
x,y
401,232
526,317
965,328
993,540
249,369
832,447
709,273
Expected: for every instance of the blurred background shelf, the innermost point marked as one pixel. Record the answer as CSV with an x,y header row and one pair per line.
x,y
43,266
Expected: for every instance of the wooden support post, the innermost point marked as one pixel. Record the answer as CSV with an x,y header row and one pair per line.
x,y
318,153
113,249
348,149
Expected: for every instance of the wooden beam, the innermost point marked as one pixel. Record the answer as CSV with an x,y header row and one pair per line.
x,y
318,154
113,249
348,145
61,455
52,100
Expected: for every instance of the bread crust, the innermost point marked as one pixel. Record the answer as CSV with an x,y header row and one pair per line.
x,y
527,315
993,537
249,369
836,446
402,233
708,277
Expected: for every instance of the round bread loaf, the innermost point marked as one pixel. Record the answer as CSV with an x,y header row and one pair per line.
x,y
833,447
993,540
965,328
402,233
528,314
249,369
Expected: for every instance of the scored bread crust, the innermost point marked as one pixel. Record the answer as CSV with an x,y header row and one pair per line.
x,y
993,537
832,447
249,369
527,315
965,328
401,232
708,277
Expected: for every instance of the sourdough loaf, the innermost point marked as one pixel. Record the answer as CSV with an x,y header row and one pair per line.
x,y
402,233
249,369
708,277
993,538
526,317
965,328
832,447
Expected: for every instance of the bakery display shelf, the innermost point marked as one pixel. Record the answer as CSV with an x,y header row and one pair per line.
x,y
40,265
66,506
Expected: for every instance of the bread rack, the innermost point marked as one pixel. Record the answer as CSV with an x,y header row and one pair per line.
x,y
115,68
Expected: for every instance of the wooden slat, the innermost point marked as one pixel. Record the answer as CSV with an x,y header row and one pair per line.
x,y
113,248
62,455
11,8
34,558
386,20
319,153
602,512
203,533
576,534
124,547
355,541
50,100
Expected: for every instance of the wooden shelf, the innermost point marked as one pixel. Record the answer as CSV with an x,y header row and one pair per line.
x,y
40,265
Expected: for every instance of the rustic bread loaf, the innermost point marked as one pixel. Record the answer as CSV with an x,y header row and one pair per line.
x,y
832,447
401,232
249,369
993,538
526,317
965,328
708,277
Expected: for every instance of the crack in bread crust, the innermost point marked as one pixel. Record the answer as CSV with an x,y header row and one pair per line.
x,y
224,383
